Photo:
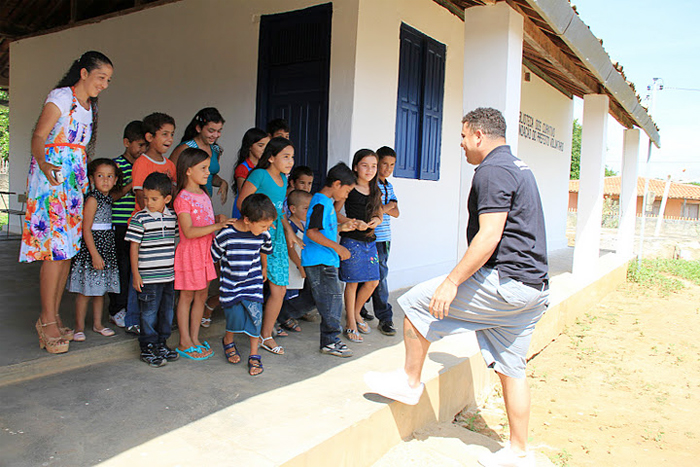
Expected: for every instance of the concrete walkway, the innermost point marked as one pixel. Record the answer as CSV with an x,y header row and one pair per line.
x,y
99,403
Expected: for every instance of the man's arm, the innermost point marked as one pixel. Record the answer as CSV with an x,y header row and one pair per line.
x,y
480,249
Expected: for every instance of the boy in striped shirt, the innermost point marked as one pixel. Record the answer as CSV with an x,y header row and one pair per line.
x,y
152,235
242,249
122,208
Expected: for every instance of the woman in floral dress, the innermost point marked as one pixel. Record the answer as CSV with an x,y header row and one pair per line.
x,y
57,183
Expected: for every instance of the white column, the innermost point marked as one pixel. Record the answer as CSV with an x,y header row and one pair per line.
x,y
493,59
628,193
590,195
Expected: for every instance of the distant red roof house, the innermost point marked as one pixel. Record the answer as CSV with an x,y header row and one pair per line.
x,y
683,198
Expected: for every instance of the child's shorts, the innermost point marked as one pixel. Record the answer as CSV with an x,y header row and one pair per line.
x,y
363,265
244,316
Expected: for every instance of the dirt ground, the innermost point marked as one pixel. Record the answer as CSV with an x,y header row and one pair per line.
x,y
621,387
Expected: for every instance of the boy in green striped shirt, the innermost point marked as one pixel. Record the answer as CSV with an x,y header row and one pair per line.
x,y
124,204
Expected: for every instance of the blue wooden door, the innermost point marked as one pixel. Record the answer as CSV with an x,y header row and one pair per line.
x,y
293,77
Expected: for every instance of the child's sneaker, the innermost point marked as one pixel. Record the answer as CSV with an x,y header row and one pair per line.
x,y
337,349
394,386
149,354
507,458
118,318
166,352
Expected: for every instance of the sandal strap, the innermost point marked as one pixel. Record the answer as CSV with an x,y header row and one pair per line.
x,y
47,324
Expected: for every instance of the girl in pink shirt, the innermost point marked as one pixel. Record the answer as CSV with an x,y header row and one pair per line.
x,y
194,267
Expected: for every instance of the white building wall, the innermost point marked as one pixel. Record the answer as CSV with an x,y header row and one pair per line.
x,y
544,143
425,236
177,59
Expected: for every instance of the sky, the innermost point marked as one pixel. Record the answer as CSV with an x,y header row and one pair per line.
x,y
654,39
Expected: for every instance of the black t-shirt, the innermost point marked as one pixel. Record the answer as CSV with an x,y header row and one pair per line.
x,y
356,208
504,183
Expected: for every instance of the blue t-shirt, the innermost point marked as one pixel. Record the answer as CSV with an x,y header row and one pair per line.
x,y
321,216
265,184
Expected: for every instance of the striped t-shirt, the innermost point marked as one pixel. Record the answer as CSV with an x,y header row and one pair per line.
x,y
383,230
155,232
124,206
241,269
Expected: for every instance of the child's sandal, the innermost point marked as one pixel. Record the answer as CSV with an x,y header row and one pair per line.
x,y
291,325
353,336
233,353
255,363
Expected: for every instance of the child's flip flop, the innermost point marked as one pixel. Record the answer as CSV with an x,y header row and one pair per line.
x,y
193,353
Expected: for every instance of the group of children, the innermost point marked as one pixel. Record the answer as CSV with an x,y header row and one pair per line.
x,y
283,251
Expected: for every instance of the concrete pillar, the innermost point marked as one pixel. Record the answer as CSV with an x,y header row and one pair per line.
x,y
493,59
628,193
590,196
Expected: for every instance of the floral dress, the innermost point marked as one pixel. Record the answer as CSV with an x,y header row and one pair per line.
x,y
53,223
84,278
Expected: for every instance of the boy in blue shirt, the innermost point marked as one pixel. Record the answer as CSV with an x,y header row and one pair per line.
x,y
322,254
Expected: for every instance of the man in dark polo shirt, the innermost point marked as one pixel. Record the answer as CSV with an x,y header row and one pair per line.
x,y
498,289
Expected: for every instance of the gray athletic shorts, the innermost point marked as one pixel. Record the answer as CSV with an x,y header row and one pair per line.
x,y
502,312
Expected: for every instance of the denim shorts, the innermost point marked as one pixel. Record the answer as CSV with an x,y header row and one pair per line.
x,y
363,265
502,311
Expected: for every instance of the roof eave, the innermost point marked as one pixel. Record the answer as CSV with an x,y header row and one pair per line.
x,y
574,32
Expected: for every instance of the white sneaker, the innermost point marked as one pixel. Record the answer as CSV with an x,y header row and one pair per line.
x,y
394,386
507,458
118,318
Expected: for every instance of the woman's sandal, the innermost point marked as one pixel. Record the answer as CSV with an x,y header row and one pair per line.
x,y
279,332
278,349
233,353
363,327
353,336
255,362
66,333
291,325
52,344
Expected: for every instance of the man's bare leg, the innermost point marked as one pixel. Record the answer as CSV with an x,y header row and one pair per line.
x,y
516,394
416,350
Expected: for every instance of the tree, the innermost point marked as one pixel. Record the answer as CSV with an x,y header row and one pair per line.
x,y
575,169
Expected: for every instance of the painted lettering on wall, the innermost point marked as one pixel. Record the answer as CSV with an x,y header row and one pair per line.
x,y
537,130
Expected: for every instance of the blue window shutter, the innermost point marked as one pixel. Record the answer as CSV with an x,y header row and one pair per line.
x,y
409,104
433,92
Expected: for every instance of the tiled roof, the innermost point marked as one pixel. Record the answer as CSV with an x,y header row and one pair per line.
x,y
677,191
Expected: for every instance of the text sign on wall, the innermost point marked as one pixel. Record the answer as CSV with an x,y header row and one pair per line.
x,y
537,130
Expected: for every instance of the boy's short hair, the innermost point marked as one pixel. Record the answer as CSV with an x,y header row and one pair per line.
x,y
154,122
340,172
159,181
258,207
297,197
277,124
134,131
300,170
385,151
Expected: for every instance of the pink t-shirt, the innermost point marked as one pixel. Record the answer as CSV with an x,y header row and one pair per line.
x,y
194,267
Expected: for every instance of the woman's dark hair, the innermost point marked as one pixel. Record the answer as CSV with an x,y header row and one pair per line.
x,y
340,172
274,147
188,158
374,203
95,164
201,118
258,207
90,60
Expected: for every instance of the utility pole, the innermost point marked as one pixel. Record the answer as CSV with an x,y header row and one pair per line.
x,y
657,84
